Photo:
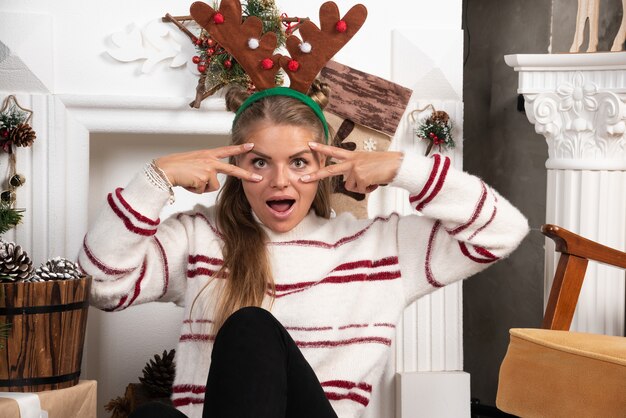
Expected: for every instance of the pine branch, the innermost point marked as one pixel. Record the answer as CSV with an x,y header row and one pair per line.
x,y
9,217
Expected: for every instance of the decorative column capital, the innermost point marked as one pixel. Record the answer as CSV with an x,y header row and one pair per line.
x,y
578,103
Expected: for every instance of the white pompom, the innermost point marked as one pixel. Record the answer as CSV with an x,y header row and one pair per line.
x,y
253,43
305,47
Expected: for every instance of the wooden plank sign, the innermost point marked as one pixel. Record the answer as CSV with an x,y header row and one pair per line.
x,y
45,345
365,99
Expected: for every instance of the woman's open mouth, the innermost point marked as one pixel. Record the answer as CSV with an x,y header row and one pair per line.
x,y
281,208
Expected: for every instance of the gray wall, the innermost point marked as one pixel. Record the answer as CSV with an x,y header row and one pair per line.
x,y
501,146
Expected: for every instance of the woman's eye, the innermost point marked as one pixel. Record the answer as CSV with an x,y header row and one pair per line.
x,y
299,163
259,163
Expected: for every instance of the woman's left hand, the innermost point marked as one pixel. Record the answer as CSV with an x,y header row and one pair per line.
x,y
362,171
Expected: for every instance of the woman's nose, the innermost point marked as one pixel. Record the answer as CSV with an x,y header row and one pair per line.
x,y
280,179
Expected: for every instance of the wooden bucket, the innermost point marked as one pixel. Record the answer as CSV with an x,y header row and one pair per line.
x,y
45,345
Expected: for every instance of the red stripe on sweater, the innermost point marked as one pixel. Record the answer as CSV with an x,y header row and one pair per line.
x,y
127,223
493,215
337,343
476,214
332,396
353,326
429,182
384,324
346,384
388,261
340,242
188,388
429,249
308,328
197,337
186,401
484,252
192,259
166,270
137,215
467,254
137,290
299,287
116,307
438,186
100,265
203,271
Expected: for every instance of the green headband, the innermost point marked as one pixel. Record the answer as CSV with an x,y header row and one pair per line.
x,y
284,91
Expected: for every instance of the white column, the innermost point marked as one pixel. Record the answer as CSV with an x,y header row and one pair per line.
x,y
578,103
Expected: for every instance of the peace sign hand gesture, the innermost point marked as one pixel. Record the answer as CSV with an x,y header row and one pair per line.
x,y
362,171
197,171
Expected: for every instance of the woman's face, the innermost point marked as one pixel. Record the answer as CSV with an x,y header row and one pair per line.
x,y
281,155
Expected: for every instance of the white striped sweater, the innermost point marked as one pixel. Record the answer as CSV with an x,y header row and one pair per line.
x,y
341,284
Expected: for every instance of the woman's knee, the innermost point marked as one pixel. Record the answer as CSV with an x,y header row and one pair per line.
x,y
250,324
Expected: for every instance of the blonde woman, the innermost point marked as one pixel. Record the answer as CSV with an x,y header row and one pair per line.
x,y
289,311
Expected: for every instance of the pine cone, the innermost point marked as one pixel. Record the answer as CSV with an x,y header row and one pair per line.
x,y
15,264
158,375
57,269
23,135
120,407
440,116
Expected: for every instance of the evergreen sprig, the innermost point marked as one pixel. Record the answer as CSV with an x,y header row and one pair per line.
x,y
9,217
11,118
437,133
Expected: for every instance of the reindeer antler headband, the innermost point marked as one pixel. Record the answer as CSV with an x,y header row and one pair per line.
x,y
255,51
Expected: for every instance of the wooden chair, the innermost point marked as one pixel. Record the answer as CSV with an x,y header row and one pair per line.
x,y
552,372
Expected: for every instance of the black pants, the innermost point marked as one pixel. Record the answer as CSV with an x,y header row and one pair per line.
x,y
256,371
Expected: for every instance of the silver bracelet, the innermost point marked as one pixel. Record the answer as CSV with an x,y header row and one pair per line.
x,y
157,177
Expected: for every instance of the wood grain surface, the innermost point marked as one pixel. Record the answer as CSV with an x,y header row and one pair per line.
x,y
43,345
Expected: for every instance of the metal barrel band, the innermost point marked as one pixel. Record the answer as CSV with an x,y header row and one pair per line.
x,y
34,381
44,309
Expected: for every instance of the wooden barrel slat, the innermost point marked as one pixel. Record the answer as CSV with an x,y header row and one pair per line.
x,y
43,344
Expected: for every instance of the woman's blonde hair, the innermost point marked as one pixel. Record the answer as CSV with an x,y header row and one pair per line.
x,y
246,264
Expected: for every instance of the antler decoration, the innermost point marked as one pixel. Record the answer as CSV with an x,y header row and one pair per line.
x,y
255,53
318,46
243,41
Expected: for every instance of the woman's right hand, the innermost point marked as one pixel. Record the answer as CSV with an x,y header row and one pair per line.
x,y
197,171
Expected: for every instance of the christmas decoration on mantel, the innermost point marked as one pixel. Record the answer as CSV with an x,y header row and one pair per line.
x,y
364,110
216,66
436,129
156,385
15,131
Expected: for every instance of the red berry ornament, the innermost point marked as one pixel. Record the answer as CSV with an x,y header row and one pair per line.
x,y
431,134
210,42
218,18
198,42
293,65
341,26
201,68
4,132
267,64
195,59
228,64
210,51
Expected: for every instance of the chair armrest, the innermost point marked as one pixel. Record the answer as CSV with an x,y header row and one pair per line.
x,y
571,243
570,273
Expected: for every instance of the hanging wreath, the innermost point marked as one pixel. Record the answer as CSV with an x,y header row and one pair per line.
x,y
217,67
436,129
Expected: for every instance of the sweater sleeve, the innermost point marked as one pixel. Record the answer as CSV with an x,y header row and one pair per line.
x,y
466,225
132,256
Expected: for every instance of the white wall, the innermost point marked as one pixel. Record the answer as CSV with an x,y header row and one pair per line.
x,y
63,43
